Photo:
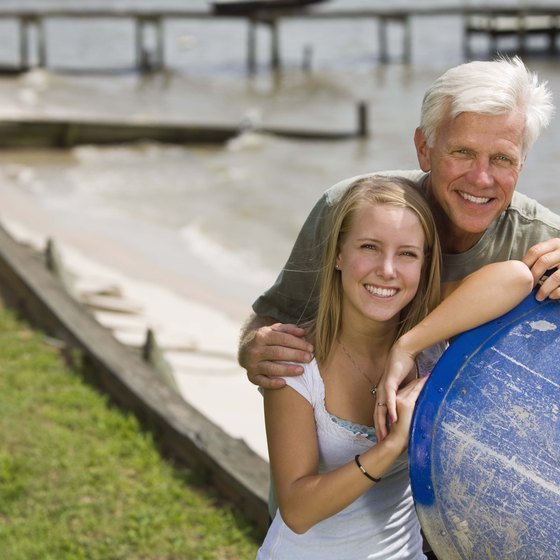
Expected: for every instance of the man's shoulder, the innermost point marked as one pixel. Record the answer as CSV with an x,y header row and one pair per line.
x,y
336,191
529,210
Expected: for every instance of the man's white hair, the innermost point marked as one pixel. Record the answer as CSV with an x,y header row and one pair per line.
x,y
492,87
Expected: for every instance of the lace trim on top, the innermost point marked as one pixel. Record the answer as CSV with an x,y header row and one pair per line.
x,y
355,428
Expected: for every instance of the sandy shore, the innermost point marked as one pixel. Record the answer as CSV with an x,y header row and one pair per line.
x,y
196,326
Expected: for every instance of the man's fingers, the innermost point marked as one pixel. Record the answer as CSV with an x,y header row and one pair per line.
x,y
264,355
288,336
267,382
269,370
540,250
542,257
549,286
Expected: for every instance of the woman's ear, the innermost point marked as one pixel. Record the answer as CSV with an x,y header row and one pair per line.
x,y
422,150
338,262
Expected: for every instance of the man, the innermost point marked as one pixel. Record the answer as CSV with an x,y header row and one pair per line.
x,y
478,122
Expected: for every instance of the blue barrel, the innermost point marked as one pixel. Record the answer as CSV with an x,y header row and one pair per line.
x,y
485,441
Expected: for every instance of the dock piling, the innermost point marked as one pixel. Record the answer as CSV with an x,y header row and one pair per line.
x,y
363,120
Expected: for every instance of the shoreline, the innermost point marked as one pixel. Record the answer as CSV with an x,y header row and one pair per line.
x,y
196,327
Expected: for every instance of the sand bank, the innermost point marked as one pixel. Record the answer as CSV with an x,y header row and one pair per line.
x,y
195,325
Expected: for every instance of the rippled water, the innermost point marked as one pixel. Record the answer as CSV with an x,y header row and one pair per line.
x,y
232,211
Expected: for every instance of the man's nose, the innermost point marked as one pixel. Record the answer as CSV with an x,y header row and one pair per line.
x,y
480,173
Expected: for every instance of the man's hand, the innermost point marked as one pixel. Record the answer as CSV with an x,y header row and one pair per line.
x,y
265,348
543,257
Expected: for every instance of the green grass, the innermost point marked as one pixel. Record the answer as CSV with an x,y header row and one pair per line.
x,y
81,479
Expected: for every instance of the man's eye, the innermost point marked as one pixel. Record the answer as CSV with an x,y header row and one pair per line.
x,y
503,159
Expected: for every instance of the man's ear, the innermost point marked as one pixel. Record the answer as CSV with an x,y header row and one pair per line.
x,y
422,150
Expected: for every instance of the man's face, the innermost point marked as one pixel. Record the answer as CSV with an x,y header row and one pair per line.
x,y
474,163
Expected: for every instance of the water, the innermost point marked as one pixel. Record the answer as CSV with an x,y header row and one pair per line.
x,y
223,218
238,207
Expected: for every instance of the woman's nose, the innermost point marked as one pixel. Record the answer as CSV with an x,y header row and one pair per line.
x,y
386,267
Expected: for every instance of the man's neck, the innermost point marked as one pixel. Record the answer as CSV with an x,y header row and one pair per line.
x,y
452,241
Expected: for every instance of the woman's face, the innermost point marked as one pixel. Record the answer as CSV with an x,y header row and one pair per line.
x,y
380,262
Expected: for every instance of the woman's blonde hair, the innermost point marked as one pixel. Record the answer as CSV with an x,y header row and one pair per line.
x,y
324,329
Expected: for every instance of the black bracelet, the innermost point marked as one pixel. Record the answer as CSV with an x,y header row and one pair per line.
x,y
365,473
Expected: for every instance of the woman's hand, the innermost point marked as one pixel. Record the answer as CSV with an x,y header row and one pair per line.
x,y
400,364
405,402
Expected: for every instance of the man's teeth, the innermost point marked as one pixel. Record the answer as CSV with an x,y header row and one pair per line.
x,y
382,292
475,199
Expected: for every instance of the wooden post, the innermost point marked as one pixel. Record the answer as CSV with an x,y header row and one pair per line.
x,y
466,38
41,43
55,265
139,39
383,51
153,355
251,45
363,120
552,38
24,43
274,44
493,19
407,41
160,43
522,33
307,58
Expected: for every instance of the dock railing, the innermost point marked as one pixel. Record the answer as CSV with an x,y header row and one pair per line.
x,y
493,21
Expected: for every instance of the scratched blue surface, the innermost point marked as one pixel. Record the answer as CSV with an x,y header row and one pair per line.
x,y
485,441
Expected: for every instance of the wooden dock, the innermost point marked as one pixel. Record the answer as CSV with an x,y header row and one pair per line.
x,y
522,25
67,133
491,21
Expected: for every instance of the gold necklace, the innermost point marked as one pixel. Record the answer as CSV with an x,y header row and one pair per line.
x,y
373,390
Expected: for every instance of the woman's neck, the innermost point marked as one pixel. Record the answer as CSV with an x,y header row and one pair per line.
x,y
369,344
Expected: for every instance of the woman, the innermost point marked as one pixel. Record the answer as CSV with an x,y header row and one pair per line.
x,y
342,494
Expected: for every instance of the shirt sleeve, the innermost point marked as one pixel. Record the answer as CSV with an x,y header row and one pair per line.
x,y
302,384
293,297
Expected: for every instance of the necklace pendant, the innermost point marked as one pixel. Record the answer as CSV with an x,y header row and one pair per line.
x,y
373,391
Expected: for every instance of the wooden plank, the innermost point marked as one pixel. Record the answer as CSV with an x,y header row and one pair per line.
x,y
66,133
251,7
512,25
114,304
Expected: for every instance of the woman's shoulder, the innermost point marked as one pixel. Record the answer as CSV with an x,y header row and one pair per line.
x,y
309,384
309,378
